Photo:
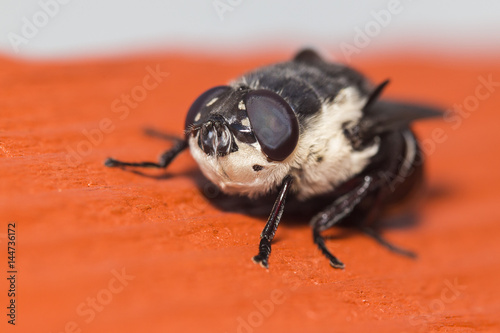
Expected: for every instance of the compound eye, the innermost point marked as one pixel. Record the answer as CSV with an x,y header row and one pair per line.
x,y
196,109
273,122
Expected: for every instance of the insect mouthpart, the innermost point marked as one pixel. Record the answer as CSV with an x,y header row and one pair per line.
x,y
214,137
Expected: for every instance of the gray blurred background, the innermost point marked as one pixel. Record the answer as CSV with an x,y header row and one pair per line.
x,y
79,28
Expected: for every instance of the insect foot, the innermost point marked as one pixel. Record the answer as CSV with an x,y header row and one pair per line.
x,y
264,252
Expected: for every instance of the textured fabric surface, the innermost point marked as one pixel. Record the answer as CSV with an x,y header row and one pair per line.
x,y
108,250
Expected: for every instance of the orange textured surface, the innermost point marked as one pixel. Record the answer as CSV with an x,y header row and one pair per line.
x,y
184,263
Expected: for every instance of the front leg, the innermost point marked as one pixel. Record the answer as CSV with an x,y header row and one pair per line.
x,y
163,162
267,234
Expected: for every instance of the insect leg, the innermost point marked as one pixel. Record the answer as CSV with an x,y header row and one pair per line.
x,y
163,161
336,212
385,243
366,226
267,234
320,241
